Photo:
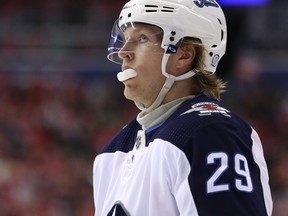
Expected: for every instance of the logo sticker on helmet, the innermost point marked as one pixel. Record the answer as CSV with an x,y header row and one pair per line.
x,y
207,3
171,49
215,60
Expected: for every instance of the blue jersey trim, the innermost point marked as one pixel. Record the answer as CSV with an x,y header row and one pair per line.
x,y
153,128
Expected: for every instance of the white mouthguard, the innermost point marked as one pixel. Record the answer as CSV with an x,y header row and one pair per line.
x,y
126,74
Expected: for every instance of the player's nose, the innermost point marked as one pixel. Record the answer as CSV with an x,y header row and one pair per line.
x,y
126,52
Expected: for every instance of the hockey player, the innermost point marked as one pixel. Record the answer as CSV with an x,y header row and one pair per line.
x,y
185,153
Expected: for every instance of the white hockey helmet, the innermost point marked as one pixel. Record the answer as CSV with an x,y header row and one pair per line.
x,y
202,19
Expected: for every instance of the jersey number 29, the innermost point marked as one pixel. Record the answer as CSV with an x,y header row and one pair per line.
x,y
243,180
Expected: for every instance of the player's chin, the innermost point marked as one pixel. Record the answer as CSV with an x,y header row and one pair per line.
x,y
129,93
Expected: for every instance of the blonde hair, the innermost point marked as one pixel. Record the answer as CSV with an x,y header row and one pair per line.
x,y
203,80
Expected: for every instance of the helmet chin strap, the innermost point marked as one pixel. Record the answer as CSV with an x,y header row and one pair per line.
x,y
170,79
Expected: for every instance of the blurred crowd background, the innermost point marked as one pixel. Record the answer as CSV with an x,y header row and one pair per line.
x,y
60,100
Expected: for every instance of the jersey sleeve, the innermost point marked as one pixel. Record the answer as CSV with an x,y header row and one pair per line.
x,y
224,178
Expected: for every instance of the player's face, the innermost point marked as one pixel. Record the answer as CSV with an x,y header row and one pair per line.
x,y
142,52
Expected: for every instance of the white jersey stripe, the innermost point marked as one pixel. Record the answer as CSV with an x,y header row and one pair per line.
x,y
258,155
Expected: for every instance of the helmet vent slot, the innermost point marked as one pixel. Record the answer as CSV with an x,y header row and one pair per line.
x,y
151,6
149,11
219,21
169,11
166,7
155,8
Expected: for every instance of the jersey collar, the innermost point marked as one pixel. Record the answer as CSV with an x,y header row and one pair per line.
x,y
160,114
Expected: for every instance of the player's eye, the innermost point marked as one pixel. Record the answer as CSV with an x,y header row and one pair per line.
x,y
143,38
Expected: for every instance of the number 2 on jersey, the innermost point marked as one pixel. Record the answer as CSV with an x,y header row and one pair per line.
x,y
240,166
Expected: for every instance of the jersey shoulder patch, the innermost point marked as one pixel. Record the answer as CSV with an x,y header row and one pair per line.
x,y
207,108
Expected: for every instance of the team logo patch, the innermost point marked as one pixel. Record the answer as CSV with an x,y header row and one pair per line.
x,y
206,3
207,109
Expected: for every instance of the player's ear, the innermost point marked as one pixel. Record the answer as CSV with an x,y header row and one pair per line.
x,y
186,56
181,61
